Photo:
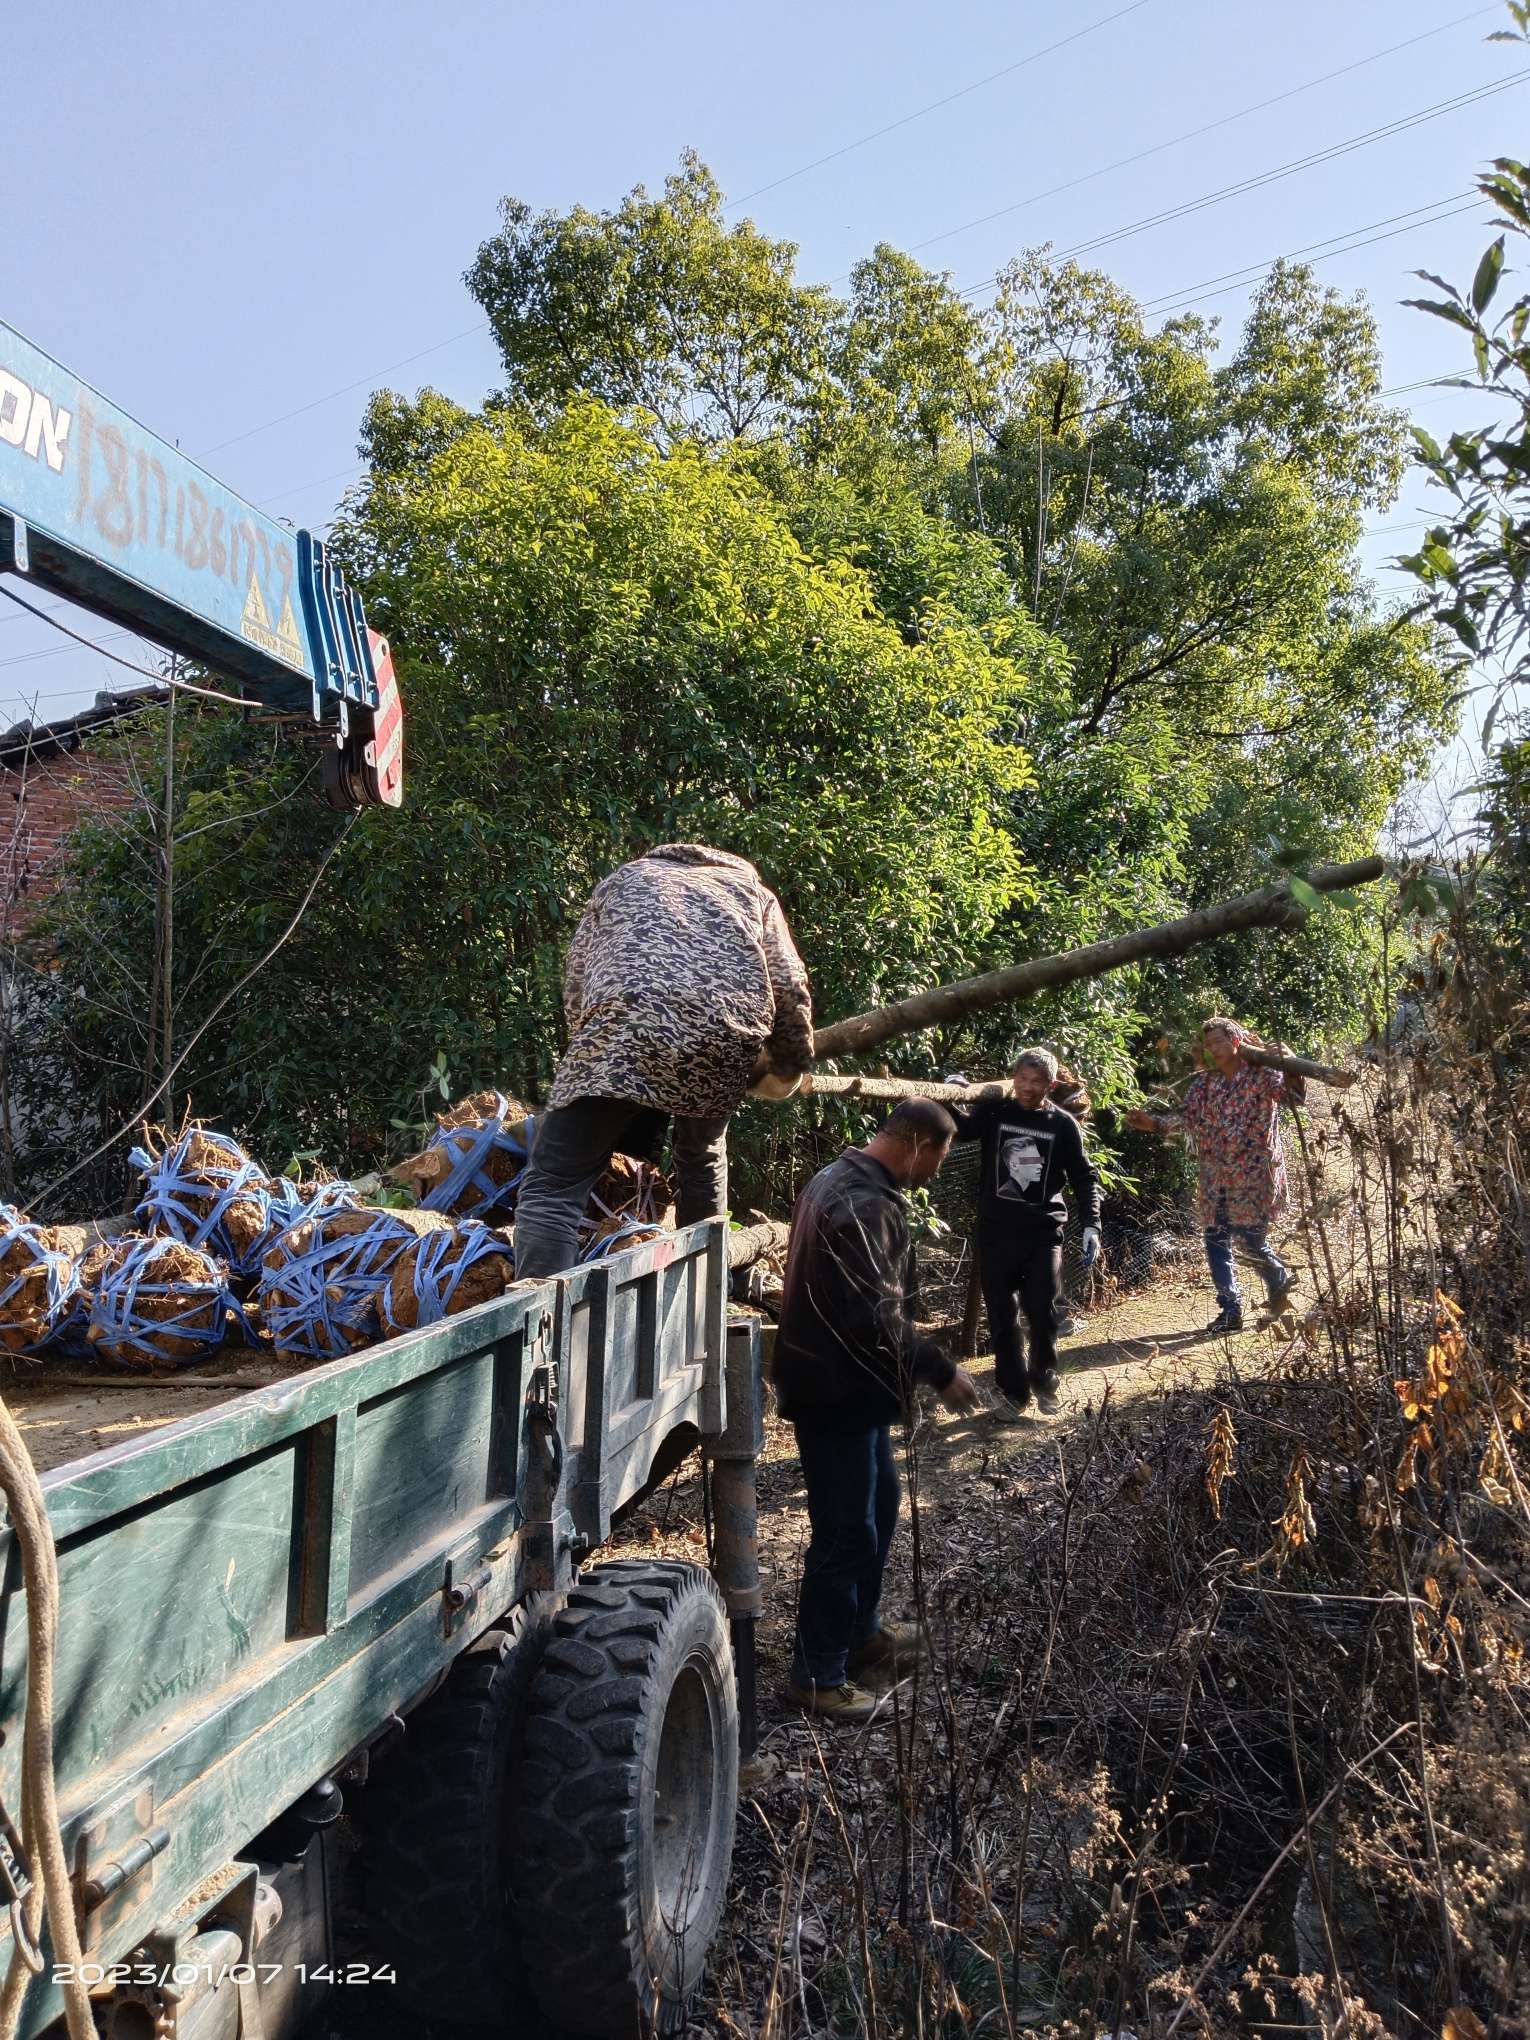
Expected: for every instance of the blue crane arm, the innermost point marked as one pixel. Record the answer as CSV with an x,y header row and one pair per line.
x,y
98,508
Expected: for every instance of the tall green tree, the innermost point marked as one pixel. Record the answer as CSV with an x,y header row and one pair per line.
x,y
604,644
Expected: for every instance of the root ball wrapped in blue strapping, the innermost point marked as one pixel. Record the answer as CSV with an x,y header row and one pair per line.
x,y
473,1163
155,1302
39,1281
631,1198
292,1202
447,1272
627,1232
323,1282
201,1187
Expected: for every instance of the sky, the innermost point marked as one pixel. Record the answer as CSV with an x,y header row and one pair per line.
x,y
238,226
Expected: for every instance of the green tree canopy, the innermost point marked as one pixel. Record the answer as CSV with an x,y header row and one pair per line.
x,y
604,645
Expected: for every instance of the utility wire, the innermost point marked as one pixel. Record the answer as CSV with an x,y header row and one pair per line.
x,y
483,325
1209,127
1253,270
229,996
1314,157
346,388
94,645
935,105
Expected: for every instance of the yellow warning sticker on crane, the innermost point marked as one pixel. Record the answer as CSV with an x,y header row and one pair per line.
x,y
282,643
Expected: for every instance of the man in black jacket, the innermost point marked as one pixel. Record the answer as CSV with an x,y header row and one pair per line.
x,y
1030,1149
847,1359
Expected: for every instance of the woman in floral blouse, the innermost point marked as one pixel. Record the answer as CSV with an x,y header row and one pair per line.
x,y
1232,1113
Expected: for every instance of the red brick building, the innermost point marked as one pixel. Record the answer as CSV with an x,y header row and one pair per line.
x,y
52,778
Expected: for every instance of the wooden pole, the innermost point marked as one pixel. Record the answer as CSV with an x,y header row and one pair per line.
x,y
972,1308
1299,1066
1274,907
822,1085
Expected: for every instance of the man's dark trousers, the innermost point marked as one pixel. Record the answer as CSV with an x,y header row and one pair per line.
x,y
574,1145
852,1485
1021,1270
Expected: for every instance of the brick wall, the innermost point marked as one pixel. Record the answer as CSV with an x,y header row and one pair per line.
x,y
40,803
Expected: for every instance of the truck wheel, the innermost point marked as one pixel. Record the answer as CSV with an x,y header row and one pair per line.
x,y
437,1855
625,1800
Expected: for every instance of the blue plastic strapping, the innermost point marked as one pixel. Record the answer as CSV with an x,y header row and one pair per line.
x,y
444,1258
630,1233
470,1148
326,1300
63,1279
115,1312
166,1205
289,1207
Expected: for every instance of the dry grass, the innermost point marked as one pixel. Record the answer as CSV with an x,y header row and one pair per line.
x,y
1224,1728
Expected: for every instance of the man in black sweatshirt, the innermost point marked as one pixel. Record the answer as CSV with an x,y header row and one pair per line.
x,y
847,1359
1030,1149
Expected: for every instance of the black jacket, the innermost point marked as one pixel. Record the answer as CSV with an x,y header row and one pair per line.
x,y
1027,1157
847,1353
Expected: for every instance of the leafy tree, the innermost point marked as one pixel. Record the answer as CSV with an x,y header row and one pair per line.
x,y
660,307
657,306
1474,567
603,645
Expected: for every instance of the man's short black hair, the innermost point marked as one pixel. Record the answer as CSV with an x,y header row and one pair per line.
x,y
916,1120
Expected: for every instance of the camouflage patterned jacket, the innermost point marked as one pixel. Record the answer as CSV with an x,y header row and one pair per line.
x,y
680,976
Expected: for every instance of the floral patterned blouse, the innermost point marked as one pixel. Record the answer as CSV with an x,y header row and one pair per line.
x,y
1235,1124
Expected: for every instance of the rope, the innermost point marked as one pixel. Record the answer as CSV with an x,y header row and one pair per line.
x,y
444,1258
326,1299
61,1281
471,1147
39,1792
174,1193
118,1322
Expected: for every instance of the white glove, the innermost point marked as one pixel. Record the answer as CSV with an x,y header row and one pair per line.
x,y
1091,1245
777,1087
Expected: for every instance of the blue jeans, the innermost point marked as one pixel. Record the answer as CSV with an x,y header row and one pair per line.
x,y
1255,1244
852,1486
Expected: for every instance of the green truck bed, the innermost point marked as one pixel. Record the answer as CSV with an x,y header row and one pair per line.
x,y
250,1594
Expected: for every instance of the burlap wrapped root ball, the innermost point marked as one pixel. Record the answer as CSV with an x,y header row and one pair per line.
x,y
153,1302
39,1282
473,1163
447,1272
632,1201
323,1282
201,1187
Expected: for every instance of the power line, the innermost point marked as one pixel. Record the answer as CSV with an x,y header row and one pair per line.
x,y
229,996
1253,270
1371,240
1193,134
1205,199
935,105
345,390
94,645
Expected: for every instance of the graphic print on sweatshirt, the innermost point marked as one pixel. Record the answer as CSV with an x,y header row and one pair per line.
x,y
1022,1159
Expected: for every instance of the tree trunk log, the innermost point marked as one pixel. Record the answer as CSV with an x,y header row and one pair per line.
x,y
1273,907
750,1243
821,1085
1298,1066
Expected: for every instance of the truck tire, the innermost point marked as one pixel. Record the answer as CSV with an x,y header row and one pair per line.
x,y
437,1847
625,1800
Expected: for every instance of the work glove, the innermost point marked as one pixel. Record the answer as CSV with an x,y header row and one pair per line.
x,y
776,1086
1091,1245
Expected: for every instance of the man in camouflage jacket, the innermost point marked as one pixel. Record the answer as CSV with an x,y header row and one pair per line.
x,y
681,977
